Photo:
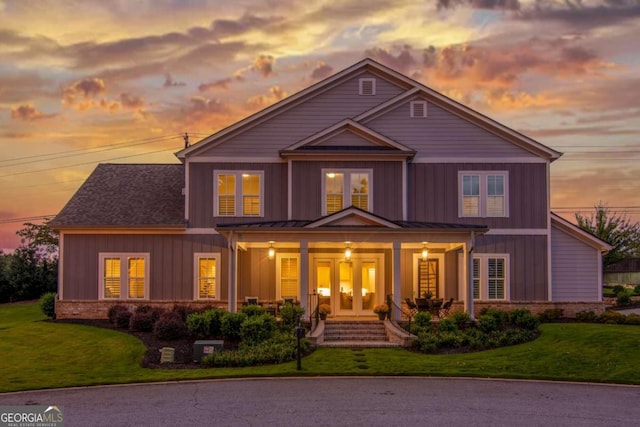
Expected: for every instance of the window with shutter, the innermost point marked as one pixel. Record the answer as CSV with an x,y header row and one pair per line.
x,y
206,275
238,193
346,187
123,275
483,194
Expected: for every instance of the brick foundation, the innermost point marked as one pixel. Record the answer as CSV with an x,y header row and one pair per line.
x,y
75,309
536,307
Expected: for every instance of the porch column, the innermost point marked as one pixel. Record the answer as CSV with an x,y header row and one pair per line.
x,y
468,257
233,275
397,285
304,275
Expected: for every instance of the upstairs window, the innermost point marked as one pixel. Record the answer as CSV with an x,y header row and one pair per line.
x,y
483,194
367,87
124,276
239,193
343,188
418,109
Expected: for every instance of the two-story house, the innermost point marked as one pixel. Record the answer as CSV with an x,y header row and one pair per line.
x,y
363,185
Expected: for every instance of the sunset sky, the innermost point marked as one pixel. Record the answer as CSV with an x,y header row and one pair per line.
x,y
83,82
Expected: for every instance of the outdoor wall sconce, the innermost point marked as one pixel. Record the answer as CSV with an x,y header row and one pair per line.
x,y
272,251
425,252
347,252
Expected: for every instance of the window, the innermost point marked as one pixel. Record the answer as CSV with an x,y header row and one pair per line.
x,y
239,193
124,276
207,272
344,188
287,275
418,108
490,277
483,194
367,87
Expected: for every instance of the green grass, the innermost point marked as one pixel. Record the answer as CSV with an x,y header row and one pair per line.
x,y
40,354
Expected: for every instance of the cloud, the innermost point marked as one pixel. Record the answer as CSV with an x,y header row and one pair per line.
x,y
221,83
264,65
201,104
130,101
28,112
260,101
80,93
402,62
577,14
480,4
321,71
170,82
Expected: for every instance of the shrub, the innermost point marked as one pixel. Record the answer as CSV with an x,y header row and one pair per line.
x,y
183,310
422,319
551,315
123,318
636,290
447,325
154,312
586,316
461,319
290,315
426,342
231,324
617,289
501,317
623,298
488,323
141,322
206,324
256,329
48,304
253,310
279,349
633,319
612,317
169,327
522,318
113,312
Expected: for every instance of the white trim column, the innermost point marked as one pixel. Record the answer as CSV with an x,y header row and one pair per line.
x,y
468,258
304,275
397,282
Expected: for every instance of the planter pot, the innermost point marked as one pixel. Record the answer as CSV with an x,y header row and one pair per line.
x,y
382,316
323,316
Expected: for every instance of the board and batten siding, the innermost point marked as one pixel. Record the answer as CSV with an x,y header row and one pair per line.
x,y
434,197
574,269
442,134
171,260
528,263
201,192
309,116
386,187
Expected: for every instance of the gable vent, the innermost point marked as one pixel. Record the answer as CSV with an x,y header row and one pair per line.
x,y
418,108
367,86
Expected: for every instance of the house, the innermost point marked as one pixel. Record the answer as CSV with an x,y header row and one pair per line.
x,y
363,185
625,272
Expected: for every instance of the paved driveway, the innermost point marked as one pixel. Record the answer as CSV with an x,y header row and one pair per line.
x,y
375,401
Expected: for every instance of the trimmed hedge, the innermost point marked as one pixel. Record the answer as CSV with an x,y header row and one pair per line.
x,y
48,304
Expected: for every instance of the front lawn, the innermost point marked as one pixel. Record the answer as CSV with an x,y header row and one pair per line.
x,y
41,354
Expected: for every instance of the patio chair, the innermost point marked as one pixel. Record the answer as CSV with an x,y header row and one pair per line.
x,y
444,310
251,301
422,304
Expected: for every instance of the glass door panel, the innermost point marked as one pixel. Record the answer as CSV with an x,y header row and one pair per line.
x,y
368,289
323,281
346,286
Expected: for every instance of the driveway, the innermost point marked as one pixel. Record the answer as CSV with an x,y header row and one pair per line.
x,y
361,401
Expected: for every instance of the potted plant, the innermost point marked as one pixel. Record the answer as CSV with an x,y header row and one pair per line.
x,y
323,310
381,310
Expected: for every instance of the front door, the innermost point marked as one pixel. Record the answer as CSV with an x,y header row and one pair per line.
x,y
353,287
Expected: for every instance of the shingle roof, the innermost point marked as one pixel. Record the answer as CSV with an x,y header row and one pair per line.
x,y
127,195
403,225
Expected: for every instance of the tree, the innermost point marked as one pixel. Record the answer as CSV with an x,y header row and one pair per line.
x,y
32,269
615,229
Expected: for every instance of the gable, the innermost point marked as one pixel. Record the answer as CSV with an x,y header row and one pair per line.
x,y
294,122
352,217
442,134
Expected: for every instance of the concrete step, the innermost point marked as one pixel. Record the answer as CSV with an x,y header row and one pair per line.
x,y
358,344
355,331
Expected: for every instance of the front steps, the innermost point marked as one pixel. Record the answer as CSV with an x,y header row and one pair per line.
x,y
355,333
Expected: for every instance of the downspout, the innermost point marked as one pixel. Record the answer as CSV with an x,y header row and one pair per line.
x,y
232,303
470,310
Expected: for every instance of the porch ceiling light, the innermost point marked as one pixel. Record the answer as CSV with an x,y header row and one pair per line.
x,y
272,251
347,252
425,252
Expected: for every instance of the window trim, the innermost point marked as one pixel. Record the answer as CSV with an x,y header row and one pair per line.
x,y
412,113
124,274
362,82
197,256
346,187
484,193
238,192
279,257
484,276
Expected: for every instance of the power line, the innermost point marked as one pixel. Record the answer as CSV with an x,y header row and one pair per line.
x,y
26,219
